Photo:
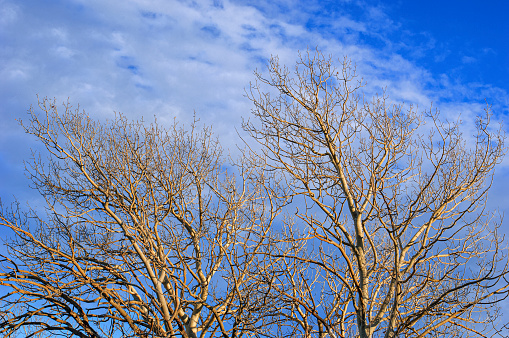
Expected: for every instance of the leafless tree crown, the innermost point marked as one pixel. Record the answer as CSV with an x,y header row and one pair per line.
x,y
395,239
147,233
357,218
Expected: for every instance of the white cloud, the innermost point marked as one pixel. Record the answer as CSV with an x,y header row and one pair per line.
x,y
63,52
171,58
468,59
142,55
9,13
15,71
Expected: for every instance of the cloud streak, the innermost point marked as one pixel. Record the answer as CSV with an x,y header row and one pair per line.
x,y
170,59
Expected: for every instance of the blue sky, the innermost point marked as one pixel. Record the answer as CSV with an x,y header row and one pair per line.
x,y
171,58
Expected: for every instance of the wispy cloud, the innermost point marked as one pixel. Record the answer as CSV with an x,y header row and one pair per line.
x,y
171,58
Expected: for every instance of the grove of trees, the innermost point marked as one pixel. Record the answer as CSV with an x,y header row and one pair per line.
x,y
342,217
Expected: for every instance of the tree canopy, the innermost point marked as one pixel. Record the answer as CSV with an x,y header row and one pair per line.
x,y
343,217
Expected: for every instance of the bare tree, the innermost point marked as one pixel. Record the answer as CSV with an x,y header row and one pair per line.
x,y
146,232
391,235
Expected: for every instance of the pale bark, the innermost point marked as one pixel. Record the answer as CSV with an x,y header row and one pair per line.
x,y
391,208
145,233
